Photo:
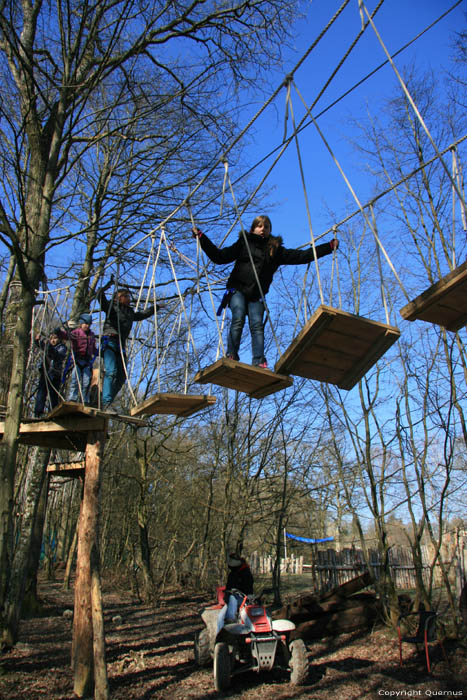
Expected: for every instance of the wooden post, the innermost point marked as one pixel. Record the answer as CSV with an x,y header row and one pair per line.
x,y
88,648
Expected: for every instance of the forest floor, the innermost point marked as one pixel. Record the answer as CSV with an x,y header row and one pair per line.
x,y
149,653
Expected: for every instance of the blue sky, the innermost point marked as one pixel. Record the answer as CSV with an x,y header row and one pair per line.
x,y
398,22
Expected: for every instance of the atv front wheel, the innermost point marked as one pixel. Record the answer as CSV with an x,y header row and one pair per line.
x,y
221,666
299,662
201,648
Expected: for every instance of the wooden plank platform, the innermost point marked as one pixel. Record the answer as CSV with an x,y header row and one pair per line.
x,y
254,381
66,426
182,405
444,303
66,433
337,347
74,408
66,469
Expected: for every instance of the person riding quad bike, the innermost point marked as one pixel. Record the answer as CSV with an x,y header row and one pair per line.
x,y
240,578
252,642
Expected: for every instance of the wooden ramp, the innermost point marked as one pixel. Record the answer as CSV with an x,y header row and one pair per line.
x,y
444,303
337,347
182,405
254,381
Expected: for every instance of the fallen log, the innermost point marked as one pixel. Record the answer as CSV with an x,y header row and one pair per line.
x,y
349,587
360,616
308,606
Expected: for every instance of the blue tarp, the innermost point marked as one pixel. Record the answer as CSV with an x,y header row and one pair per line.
x,y
308,539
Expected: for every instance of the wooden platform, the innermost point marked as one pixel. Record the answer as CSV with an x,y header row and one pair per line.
x,y
66,427
337,347
66,433
444,303
254,381
182,405
66,469
73,408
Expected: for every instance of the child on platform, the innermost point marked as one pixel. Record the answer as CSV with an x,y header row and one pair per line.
x,y
243,295
54,352
83,354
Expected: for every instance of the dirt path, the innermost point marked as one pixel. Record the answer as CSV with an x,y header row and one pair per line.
x,y
150,655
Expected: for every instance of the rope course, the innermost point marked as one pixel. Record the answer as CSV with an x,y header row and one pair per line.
x,y
312,353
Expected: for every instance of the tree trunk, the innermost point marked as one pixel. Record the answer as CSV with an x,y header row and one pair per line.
x,y
20,307
101,684
18,575
30,596
86,621
70,557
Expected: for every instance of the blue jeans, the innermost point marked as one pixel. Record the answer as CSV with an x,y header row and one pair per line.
x,y
240,308
114,371
80,382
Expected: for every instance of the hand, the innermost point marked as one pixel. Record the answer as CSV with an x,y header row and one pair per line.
x,y
334,244
197,233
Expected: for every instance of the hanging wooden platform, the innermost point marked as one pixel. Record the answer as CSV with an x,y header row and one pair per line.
x,y
66,427
444,303
337,347
254,381
73,407
182,405
66,469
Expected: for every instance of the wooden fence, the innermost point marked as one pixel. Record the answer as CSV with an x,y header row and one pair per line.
x,y
331,567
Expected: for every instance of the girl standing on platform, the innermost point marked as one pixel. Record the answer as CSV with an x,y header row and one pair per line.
x,y
243,295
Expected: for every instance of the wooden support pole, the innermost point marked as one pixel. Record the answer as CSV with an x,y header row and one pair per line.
x,y
88,651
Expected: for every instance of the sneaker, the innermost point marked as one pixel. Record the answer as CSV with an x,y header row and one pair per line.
x,y
229,356
263,364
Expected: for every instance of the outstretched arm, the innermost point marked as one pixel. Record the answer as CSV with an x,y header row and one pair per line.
x,y
219,256
293,256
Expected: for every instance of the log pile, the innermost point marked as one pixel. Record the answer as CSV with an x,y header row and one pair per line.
x,y
343,609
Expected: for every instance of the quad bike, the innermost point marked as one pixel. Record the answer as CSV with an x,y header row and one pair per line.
x,y
254,642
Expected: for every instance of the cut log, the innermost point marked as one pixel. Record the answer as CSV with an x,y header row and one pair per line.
x,y
349,587
338,622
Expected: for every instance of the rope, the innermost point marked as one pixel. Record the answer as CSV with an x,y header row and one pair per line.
x,y
352,191
413,105
335,272
380,270
393,187
305,125
190,335
307,205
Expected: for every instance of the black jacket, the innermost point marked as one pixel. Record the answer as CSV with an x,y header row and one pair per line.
x,y
267,253
119,318
241,578
53,358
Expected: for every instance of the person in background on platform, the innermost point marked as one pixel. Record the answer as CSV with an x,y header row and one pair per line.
x,y
83,353
54,352
243,295
119,320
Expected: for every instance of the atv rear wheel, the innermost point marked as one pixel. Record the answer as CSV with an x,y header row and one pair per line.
x,y
221,666
201,648
299,662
